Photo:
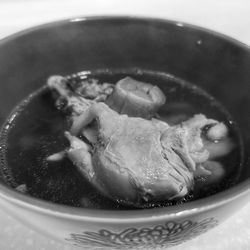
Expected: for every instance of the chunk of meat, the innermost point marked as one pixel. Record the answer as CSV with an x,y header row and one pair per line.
x,y
138,161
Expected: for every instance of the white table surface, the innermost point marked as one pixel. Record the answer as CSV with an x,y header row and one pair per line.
x,y
229,17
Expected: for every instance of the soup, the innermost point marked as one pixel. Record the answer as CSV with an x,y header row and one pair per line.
x,y
35,130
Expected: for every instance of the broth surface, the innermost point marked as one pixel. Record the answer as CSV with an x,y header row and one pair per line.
x,y
35,130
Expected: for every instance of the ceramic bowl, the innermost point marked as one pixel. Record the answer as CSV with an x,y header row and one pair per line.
x,y
218,64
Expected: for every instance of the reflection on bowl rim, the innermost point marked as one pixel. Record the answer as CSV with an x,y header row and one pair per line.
x,y
124,216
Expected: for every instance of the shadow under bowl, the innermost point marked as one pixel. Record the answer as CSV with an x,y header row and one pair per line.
x,y
216,63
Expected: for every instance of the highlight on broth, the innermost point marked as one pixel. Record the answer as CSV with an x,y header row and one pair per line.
x,y
133,139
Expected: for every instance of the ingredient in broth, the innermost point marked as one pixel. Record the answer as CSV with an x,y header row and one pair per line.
x,y
136,98
131,159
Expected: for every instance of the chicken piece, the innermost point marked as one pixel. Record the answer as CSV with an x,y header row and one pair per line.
x,y
135,160
77,96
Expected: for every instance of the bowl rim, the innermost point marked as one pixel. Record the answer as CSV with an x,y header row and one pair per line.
x,y
10,195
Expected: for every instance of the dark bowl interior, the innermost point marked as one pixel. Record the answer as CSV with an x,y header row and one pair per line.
x,y
216,63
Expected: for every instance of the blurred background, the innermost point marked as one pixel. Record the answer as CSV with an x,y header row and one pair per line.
x,y
226,16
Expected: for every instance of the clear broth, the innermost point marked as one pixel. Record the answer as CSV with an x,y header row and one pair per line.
x,y
35,130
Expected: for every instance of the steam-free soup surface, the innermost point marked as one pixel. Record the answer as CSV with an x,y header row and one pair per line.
x,y
35,131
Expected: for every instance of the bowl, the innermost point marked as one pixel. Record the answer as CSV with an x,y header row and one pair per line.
x,y
216,63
